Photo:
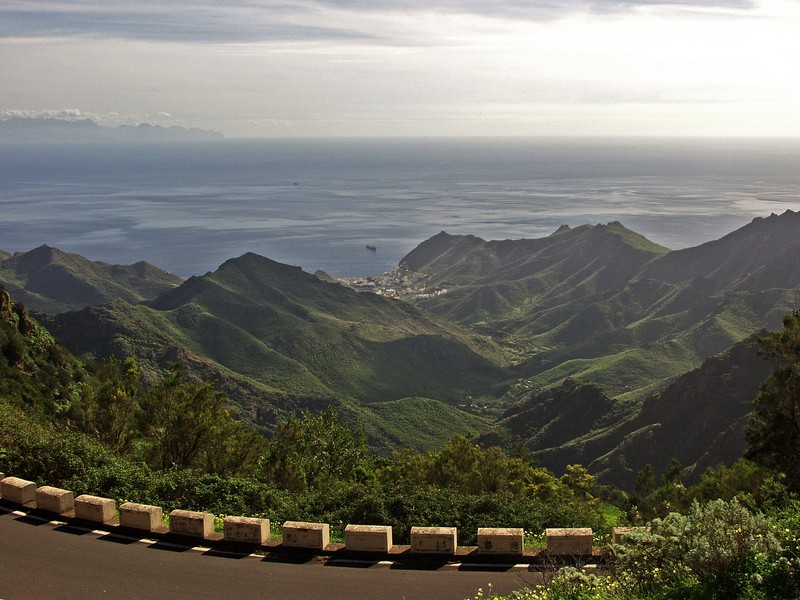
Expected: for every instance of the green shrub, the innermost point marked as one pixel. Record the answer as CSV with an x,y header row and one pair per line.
x,y
713,550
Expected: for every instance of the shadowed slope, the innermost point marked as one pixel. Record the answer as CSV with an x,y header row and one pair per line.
x,y
52,281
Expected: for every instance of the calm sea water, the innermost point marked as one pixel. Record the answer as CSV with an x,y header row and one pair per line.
x,y
317,203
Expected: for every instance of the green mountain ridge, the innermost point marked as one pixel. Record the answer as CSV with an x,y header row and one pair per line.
x,y
627,330
581,300
295,340
617,317
48,280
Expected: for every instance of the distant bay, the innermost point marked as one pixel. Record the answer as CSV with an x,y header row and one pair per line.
x,y
187,207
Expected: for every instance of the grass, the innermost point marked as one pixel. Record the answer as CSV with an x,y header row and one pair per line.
x,y
426,424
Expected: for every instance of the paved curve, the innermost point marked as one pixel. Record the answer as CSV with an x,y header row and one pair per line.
x,y
41,560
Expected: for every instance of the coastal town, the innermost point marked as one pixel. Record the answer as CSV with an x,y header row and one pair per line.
x,y
397,283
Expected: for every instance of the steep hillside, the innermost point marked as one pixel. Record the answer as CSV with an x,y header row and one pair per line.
x,y
281,339
35,372
51,281
503,283
601,303
698,419
761,255
514,323
420,424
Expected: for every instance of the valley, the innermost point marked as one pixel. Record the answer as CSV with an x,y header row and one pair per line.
x,y
592,345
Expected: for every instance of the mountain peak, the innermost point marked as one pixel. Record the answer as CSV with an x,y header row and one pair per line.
x,y
38,258
53,281
250,260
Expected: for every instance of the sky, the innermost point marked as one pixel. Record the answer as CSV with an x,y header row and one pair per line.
x,y
292,68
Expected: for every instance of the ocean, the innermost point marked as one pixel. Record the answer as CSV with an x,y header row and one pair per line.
x,y
317,204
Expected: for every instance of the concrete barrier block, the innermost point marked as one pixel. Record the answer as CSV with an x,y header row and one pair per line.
x,y
570,541
55,500
246,530
618,532
368,538
18,491
434,540
140,516
191,523
95,509
312,536
501,540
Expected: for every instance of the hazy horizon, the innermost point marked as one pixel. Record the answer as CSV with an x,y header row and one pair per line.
x,y
449,68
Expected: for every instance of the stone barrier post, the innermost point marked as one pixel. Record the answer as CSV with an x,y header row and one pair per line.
x,y
569,541
95,509
141,516
434,540
501,540
368,538
312,536
191,523
55,500
18,491
246,530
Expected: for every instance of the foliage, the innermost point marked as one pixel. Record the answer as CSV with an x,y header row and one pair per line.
x,y
774,429
715,544
35,371
316,451
110,409
187,424
718,550
465,466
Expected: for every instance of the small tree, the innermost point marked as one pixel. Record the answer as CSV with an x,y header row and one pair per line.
x,y
774,430
188,424
110,410
311,450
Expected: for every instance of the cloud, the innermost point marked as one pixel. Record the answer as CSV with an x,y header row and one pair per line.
x,y
62,114
199,21
279,20
353,67
75,114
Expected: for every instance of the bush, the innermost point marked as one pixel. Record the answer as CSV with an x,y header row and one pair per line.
x,y
712,552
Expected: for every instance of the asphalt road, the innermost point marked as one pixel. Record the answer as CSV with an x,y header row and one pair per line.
x,y
41,560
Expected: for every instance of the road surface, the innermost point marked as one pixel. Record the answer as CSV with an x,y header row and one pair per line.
x,y
40,559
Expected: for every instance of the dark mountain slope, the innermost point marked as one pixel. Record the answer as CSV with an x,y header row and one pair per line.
x,y
606,307
51,281
760,255
35,372
698,419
